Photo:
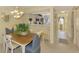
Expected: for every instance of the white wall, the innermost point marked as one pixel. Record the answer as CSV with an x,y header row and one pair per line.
x,y
76,27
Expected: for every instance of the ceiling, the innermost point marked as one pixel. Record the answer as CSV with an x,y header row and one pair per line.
x,y
63,9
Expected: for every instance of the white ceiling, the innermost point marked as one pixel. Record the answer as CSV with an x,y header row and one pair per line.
x,y
56,7
61,8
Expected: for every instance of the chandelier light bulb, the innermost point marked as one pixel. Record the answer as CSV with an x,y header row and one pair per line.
x,y
12,12
18,16
21,12
15,11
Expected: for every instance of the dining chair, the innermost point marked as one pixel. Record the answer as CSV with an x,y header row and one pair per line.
x,y
8,30
10,44
34,46
38,32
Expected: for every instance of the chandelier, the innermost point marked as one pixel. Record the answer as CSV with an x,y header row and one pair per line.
x,y
17,13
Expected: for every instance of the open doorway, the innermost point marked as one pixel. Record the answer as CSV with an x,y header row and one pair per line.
x,y
65,28
61,35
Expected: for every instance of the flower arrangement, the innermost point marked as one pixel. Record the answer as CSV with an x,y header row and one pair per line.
x,y
22,29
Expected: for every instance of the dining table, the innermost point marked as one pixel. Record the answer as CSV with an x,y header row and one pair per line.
x,y
22,40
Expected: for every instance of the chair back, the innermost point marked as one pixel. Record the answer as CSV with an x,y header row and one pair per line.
x,y
36,42
8,40
8,31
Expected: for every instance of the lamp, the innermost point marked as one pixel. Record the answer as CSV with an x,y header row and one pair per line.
x,y
17,13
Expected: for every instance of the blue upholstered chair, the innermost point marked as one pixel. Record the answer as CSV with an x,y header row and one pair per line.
x,y
34,46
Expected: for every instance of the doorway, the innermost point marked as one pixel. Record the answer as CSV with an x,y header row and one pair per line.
x,y
65,28
61,33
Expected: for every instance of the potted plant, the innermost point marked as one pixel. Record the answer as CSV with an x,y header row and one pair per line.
x,y
22,29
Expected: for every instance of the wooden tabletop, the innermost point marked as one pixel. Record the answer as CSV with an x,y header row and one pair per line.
x,y
22,39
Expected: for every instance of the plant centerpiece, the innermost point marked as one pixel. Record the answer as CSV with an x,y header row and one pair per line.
x,y
22,29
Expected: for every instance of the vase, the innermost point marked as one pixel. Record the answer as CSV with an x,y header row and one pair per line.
x,y
23,33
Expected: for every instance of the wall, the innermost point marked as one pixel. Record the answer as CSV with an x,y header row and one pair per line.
x,y
70,26
76,27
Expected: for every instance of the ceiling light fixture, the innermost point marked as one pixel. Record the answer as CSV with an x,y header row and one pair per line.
x,y
17,13
62,11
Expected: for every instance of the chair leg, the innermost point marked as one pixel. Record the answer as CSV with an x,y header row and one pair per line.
x,y
11,50
6,49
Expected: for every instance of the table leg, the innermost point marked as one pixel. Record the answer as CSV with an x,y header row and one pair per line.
x,y
23,49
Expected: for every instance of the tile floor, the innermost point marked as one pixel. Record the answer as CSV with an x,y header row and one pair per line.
x,y
58,48
46,47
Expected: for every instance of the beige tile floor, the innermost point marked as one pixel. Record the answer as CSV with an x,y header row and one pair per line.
x,y
46,47
58,48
